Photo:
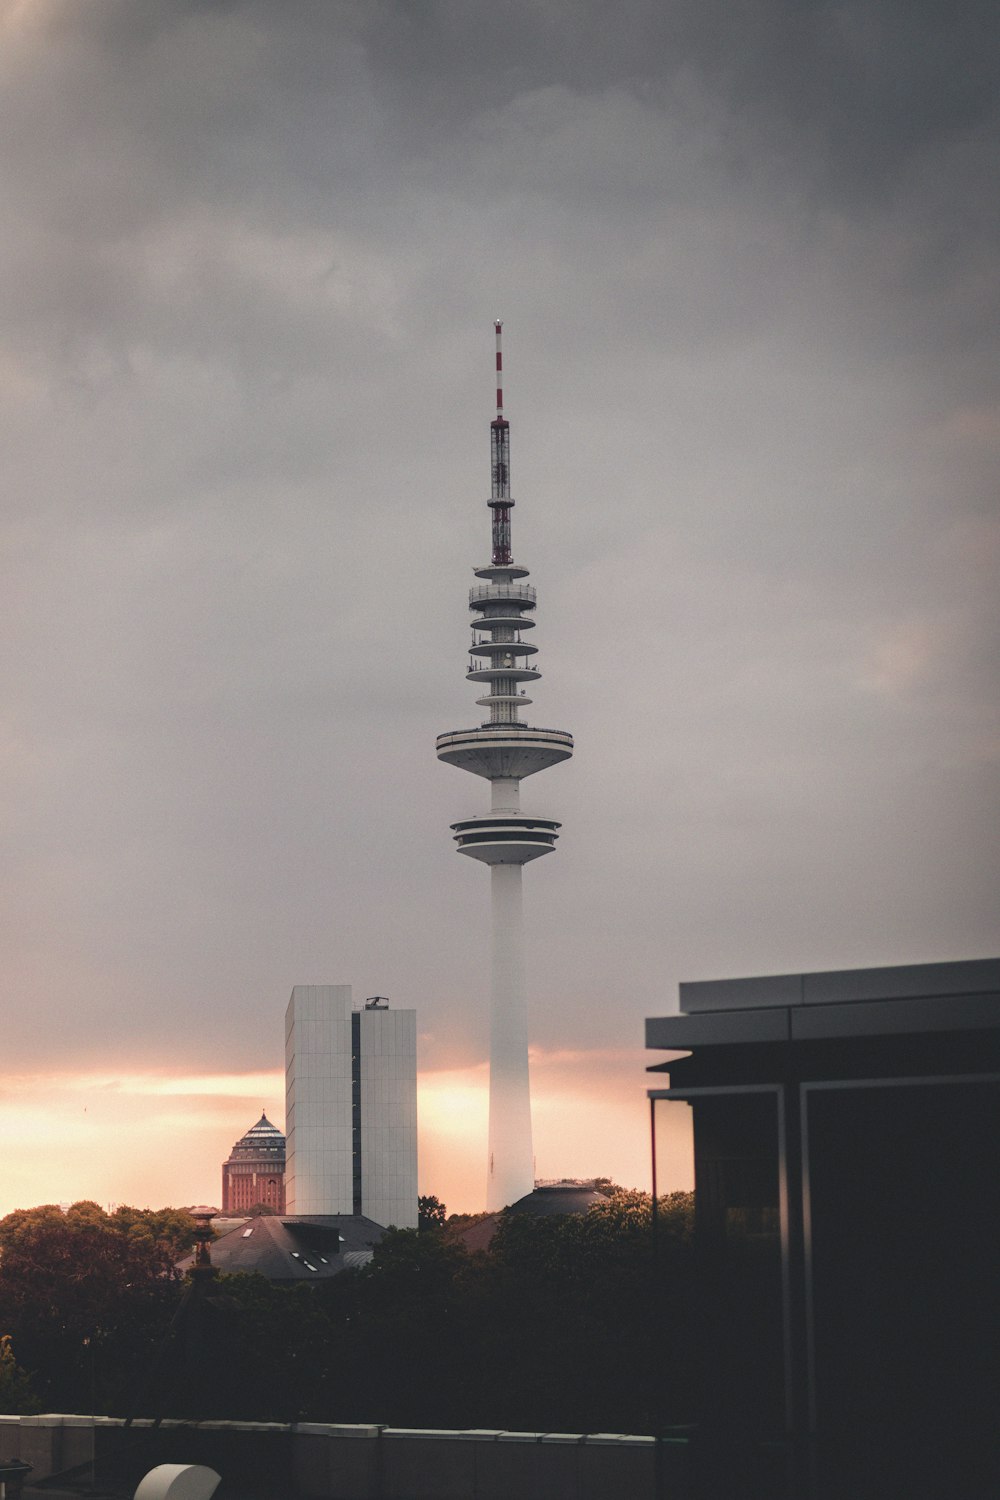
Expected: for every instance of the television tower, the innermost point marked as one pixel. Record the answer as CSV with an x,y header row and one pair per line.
x,y
504,750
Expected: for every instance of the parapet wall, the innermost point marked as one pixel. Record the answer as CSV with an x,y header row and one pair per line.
x,y
318,1461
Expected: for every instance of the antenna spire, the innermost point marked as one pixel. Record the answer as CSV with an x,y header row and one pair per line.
x,y
500,502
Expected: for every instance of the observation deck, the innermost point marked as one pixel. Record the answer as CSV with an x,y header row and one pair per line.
x,y
502,648
503,622
521,595
477,673
506,838
504,750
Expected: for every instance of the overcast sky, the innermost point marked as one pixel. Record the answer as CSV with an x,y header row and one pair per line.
x,y
746,258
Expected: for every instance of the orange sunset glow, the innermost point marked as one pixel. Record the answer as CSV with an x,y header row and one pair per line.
x,y
155,1138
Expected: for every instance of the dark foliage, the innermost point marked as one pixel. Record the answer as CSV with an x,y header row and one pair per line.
x,y
564,1325
431,1213
85,1297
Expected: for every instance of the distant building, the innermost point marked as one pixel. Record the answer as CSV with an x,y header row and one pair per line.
x,y
286,1249
546,1200
563,1197
255,1171
847,1192
351,1107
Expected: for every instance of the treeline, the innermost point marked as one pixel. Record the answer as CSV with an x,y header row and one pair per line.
x,y
85,1298
565,1324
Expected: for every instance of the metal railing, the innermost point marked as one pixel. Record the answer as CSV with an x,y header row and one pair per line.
x,y
494,593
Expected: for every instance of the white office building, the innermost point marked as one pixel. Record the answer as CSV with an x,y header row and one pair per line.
x,y
350,1106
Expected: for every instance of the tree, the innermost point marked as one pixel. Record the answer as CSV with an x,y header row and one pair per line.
x,y
86,1299
570,1323
172,1228
17,1389
431,1213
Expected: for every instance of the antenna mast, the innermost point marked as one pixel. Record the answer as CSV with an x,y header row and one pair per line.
x,y
500,502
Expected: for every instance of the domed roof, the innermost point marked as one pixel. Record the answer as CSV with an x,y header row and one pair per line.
x,y
262,1139
557,1198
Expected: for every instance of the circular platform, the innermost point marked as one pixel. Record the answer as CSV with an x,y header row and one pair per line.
x,y
511,622
514,674
502,573
521,595
504,750
506,838
521,699
501,648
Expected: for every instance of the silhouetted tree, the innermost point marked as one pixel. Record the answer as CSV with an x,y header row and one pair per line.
x,y
569,1323
17,1389
84,1298
431,1213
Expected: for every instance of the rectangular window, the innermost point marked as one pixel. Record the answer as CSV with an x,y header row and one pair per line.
x,y
728,1143
902,1195
356,1108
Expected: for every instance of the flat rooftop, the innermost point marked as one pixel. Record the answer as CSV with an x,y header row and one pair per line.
x,y
911,998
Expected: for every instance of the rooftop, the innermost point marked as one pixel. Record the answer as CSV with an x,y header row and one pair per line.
x,y
841,1003
307,1247
262,1139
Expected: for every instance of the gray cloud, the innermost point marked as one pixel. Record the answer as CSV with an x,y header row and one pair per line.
x,y
747,262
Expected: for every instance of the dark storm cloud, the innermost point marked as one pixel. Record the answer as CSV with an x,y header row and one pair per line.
x,y
747,257
860,88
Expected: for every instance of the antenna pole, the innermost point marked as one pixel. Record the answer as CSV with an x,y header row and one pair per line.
x,y
500,502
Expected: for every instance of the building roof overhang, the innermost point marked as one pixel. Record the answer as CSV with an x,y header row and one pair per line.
x,y
818,1023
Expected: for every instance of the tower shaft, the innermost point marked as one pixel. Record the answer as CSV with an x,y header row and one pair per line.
x,y
510,1171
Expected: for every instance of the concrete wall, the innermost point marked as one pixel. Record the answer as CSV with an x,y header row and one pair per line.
x,y
318,1171
319,1174
389,1117
358,1462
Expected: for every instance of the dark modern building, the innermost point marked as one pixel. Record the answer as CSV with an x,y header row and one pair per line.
x,y
845,1132
255,1171
283,1248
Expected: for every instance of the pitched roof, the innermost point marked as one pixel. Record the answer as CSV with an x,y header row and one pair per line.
x,y
261,1140
308,1247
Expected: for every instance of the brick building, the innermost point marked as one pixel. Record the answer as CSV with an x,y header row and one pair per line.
x,y
255,1171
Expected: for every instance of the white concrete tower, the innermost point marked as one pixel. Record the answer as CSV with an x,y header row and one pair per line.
x,y
504,750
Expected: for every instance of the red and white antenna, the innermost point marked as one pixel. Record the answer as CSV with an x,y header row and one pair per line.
x,y
500,501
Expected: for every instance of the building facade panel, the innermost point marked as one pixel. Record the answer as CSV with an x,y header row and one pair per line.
x,y
317,1056
351,1106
